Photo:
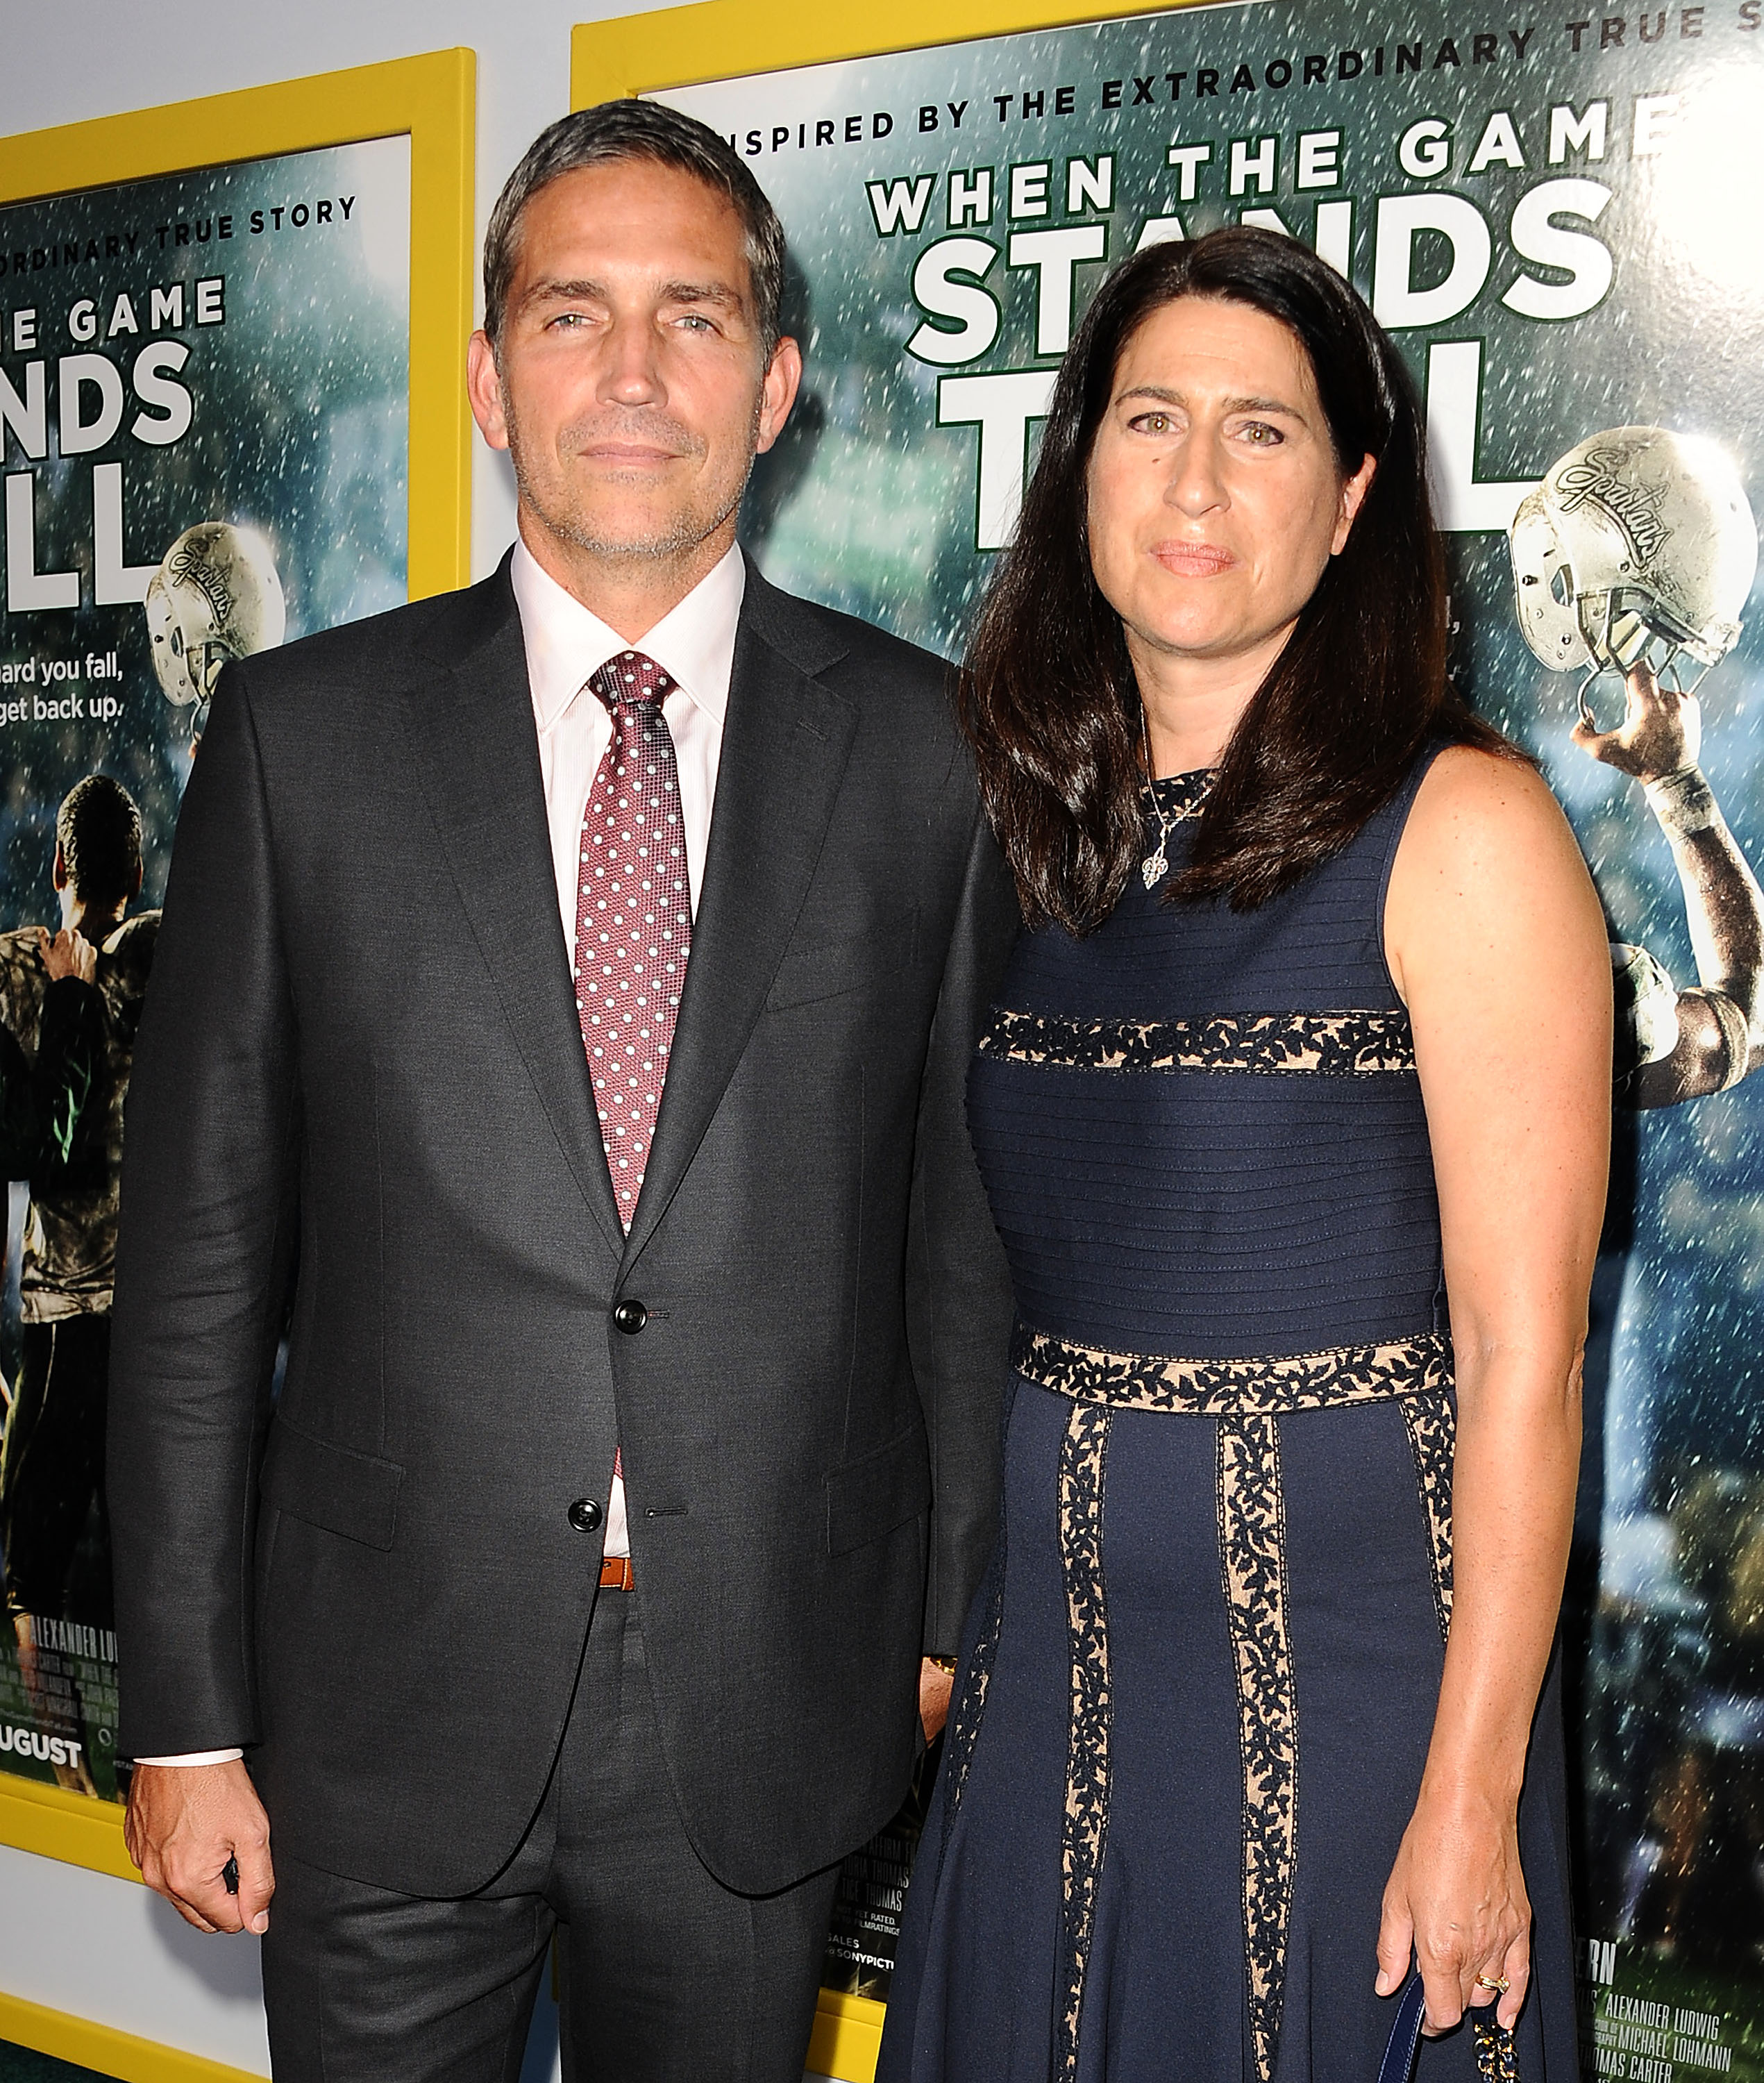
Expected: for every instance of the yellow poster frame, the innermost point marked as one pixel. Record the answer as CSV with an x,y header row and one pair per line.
x,y
431,100
107,2051
715,39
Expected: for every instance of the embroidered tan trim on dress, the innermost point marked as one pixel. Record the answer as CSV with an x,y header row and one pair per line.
x,y
1432,1429
1329,1045
1083,1461
1236,1388
1252,1564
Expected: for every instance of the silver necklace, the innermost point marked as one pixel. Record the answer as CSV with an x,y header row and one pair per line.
x,y
1156,865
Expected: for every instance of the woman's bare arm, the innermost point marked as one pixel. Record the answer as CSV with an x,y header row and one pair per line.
x,y
1497,944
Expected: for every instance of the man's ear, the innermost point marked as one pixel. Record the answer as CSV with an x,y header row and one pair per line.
x,y
58,873
777,393
484,388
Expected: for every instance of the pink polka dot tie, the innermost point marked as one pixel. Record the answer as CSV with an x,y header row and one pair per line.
x,y
633,916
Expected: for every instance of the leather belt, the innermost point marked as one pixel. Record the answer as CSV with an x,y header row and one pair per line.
x,y
615,1573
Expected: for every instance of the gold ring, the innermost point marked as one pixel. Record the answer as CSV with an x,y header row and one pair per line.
x,y
1498,1982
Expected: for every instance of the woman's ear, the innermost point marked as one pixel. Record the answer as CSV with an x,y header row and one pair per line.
x,y
1354,493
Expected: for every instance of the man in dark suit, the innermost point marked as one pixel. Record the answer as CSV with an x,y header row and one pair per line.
x,y
601,1155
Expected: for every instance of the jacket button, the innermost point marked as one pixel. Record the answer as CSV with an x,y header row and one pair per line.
x,y
586,1516
630,1315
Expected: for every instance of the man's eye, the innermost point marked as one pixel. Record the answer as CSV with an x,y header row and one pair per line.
x,y
567,321
1260,435
1153,423
695,322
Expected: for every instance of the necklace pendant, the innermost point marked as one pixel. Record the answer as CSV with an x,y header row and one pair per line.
x,y
1154,868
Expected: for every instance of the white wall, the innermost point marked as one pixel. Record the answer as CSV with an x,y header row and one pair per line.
x,y
108,1950
67,60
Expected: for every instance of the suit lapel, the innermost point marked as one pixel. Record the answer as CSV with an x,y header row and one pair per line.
x,y
786,742
471,732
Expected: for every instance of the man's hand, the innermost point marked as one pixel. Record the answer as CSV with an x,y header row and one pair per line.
x,y
183,1824
935,1685
69,954
1661,731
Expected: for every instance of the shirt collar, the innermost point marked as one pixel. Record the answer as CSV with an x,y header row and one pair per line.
x,y
694,642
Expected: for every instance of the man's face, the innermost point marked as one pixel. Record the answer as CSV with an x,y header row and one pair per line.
x,y
631,388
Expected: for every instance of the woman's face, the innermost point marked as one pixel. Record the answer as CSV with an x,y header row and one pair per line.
x,y
1215,499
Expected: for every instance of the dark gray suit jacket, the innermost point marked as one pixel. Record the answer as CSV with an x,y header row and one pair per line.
x,y
360,1111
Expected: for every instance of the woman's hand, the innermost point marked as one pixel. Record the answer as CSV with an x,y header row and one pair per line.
x,y
1457,1899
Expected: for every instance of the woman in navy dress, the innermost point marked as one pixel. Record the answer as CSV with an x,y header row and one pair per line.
x,y
1292,1110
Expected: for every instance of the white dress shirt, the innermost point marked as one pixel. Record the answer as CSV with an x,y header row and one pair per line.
x,y
566,644
694,644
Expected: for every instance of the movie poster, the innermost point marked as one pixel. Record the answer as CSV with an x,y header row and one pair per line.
x,y
204,391
1556,216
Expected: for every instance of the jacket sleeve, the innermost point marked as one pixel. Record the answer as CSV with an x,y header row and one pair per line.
x,y
203,1258
958,1289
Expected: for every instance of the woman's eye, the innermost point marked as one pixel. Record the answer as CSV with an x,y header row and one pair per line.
x,y
1153,423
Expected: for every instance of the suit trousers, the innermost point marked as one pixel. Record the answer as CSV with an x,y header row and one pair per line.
x,y
664,1975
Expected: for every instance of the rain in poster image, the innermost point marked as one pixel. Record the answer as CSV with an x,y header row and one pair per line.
x,y
1555,215
204,399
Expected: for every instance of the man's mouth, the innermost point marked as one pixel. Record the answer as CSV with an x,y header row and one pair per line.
x,y
628,455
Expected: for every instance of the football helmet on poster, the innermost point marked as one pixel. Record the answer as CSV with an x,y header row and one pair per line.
x,y
1639,547
216,597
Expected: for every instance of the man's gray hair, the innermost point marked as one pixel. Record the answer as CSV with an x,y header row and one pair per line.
x,y
636,130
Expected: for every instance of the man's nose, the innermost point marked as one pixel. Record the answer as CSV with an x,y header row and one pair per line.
x,y
630,369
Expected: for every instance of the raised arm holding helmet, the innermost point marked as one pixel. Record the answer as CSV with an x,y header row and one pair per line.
x,y
1685,1044
1634,558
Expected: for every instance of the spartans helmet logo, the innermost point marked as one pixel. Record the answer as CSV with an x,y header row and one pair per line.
x,y
1638,547
216,597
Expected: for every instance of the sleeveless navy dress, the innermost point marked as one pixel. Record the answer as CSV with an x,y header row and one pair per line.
x,y
1198,1686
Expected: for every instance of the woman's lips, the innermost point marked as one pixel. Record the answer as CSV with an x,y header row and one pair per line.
x,y
1193,560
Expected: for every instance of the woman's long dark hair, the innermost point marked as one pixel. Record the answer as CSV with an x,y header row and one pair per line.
x,y
1049,698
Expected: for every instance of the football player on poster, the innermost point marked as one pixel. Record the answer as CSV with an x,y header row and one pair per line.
x,y
1633,557
69,1006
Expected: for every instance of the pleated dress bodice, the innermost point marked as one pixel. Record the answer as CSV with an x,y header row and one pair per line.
x,y
1201,1129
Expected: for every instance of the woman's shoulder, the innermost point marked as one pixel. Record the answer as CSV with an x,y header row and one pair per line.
x,y
1478,806
1488,860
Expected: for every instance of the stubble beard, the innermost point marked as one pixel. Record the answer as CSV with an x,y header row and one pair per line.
x,y
569,522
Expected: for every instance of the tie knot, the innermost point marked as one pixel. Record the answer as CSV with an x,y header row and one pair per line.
x,y
631,680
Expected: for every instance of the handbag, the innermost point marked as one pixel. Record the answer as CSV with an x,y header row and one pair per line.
x,y
1400,2048
1495,2060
